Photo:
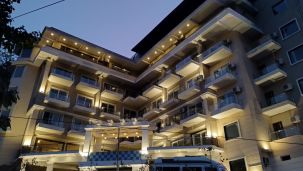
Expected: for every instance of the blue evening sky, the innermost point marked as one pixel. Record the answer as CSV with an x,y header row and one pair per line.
x,y
117,25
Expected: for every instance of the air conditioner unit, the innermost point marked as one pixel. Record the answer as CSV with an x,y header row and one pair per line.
x,y
287,87
237,89
295,119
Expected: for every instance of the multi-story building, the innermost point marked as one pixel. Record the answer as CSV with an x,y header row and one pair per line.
x,y
216,83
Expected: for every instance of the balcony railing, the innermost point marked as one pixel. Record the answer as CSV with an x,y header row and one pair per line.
x,y
287,132
268,69
191,112
189,85
63,73
58,96
78,127
276,99
89,81
58,123
227,101
109,110
219,74
113,89
185,61
213,48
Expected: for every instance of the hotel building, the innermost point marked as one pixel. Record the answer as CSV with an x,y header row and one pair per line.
x,y
216,85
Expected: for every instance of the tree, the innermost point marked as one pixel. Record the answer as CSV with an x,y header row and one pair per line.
x,y
12,41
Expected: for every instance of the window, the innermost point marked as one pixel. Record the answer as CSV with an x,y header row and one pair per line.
x,y
296,55
198,138
58,94
108,108
112,88
53,119
63,72
227,99
279,7
128,114
84,101
179,142
78,124
18,71
289,29
231,131
284,158
173,94
237,165
300,84
88,80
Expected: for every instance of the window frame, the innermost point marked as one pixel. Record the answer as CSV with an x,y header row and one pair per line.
x,y
115,107
297,80
58,89
289,21
239,130
238,158
287,53
86,97
278,3
85,77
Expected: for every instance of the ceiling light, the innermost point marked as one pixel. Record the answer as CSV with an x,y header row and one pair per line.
x,y
52,34
156,52
109,56
148,58
136,133
116,137
47,41
102,135
171,39
126,136
86,48
113,134
76,43
187,25
39,141
64,39
180,32
163,46
105,138
99,52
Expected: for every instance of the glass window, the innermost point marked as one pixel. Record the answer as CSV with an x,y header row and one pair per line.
x,y
108,108
231,131
84,101
58,94
296,54
279,7
18,71
237,165
112,88
300,83
128,114
53,119
156,104
173,94
78,124
289,29
88,80
63,72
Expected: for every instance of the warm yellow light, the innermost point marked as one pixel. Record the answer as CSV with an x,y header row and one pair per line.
x,y
39,141
99,52
52,34
187,25
113,134
47,41
136,133
81,54
148,58
163,46
86,48
180,32
27,142
116,137
156,52
76,43
102,135
64,39
126,136
105,138
109,56
170,39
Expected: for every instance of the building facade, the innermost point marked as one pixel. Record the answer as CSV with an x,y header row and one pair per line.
x,y
217,85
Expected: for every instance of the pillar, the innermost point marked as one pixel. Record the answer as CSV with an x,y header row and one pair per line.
x,y
45,76
30,128
49,167
87,142
145,140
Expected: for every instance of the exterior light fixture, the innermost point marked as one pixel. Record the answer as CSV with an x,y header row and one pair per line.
x,y
180,32
102,135
76,43
47,41
99,52
156,52
86,48
171,39
187,25
163,46
64,39
105,138
148,58
52,34
109,56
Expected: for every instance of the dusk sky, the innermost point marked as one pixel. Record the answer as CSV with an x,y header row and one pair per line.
x,y
117,25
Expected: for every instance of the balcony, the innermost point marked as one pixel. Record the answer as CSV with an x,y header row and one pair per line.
x,y
221,79
58,100
227,107
85,108
112,93
190,90
169,80
286,132
278,104
109,114
76,131
266,47
151,113
88,86
135,101
52,127
216,53
192,117
171,128
169,103
269,74
152,91
61,77
187,66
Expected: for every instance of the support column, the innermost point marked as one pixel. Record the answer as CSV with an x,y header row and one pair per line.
x,y
45,76
164,95
49,167
145,140
30,128
87,142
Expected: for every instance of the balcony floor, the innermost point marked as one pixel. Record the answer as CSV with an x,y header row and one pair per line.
x,y
279,108
193,120
273,76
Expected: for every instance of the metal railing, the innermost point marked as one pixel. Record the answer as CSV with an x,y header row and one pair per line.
x,y
286,132
58,96
213,48
227,101
193,83
218,74
113,88
276,99
63,73
186,61
191,112
268,69
89,81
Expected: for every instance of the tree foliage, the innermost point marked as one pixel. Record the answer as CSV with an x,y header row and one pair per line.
x,y
12,41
